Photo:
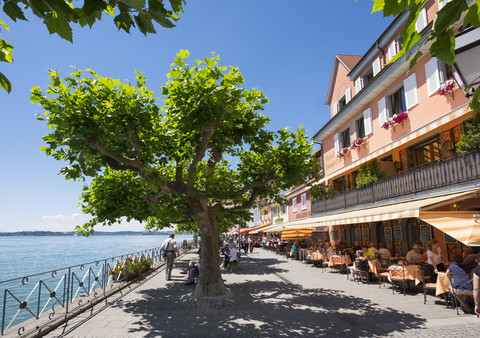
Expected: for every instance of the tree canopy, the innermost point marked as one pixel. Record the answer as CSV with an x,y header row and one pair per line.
x,y
58,15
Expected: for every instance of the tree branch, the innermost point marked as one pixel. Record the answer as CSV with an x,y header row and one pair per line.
x,y
206,134
132,135
115,161
265,179
247,205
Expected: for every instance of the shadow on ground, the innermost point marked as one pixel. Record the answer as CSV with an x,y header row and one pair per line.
x,y
263,307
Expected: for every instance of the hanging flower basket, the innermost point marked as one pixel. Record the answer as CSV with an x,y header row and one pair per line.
x,y
394,120
356,144
447,87
343,152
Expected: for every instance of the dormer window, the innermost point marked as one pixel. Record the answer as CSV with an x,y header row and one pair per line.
x,y
341,103
367,77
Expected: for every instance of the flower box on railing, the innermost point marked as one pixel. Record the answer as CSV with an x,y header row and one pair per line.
x,y
394,120
356,144
343,152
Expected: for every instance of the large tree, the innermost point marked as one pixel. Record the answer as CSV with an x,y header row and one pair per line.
x,y
200,160
58,15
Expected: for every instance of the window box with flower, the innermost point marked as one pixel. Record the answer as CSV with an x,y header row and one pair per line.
x,y
356,144
448,87
394,120
343,152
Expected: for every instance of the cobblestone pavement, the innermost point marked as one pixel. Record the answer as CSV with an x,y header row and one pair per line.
x,y
270,296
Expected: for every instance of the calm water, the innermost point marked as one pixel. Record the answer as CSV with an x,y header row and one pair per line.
x,y
20,256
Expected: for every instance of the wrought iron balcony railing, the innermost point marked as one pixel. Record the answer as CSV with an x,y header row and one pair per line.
x,y
455,170
31,303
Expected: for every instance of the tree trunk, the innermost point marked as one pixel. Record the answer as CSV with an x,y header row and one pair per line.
x,y
210,282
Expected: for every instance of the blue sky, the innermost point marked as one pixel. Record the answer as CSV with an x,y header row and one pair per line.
x,y
284,48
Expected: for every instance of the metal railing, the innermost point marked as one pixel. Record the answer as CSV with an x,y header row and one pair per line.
x,y
451,171
32,302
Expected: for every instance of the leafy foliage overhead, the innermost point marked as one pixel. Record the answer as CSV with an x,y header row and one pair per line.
x,y
165,164
58,15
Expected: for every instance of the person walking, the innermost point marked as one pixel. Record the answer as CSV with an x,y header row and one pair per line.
x,y
170,248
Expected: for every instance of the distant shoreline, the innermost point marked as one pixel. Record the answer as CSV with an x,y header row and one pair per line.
x,y
73,233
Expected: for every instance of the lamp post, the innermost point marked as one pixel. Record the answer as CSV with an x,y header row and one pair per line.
x,y
467,55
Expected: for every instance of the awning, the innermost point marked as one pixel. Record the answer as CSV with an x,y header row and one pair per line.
x,y
260,228
245,230
273,228
460,225
382,213
289,233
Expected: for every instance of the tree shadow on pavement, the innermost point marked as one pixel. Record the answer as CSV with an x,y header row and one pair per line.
x,y
266,307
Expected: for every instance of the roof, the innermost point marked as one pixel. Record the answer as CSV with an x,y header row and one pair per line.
x,y
348,61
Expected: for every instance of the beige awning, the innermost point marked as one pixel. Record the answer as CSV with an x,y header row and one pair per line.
x,y
290,233
461,225
383,213
260,228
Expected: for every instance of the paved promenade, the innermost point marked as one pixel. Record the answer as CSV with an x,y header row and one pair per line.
x,y
270,296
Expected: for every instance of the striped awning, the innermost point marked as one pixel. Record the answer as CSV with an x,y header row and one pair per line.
x,y
273,228
382,213
461,225
292,233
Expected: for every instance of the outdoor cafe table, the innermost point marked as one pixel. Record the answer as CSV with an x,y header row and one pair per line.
x,y
412,272
375,266
443,284
339,260
317,256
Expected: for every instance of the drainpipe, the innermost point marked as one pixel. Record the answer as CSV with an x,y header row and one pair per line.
x,y
383,52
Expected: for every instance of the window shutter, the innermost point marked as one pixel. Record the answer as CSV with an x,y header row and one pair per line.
x,y
294,204
433,78
348,95
421,20
382,111
336,140
442,4
410,86
376,66
358,85
355,133
392,50
335,108
367,121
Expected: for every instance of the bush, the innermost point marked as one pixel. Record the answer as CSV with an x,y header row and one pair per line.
x,y
321,192
135,267
369,173
470,141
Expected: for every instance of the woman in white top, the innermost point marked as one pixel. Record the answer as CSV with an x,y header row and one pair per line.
x,y
435,258
329,251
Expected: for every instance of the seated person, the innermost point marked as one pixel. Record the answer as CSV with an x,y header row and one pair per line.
x,y
415,255
294,250
460,276
329,251
469,257
360,264
192,272
356,246
233,254
383,252
373,248
367,252
342,246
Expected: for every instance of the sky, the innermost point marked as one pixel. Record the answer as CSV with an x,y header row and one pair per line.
x,y
284,48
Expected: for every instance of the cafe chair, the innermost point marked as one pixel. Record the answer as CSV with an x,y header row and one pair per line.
x,y
426,286
397,275
463,289
383,271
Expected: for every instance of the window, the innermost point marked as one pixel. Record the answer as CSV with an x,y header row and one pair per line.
x,y
367,77
436,72
304,201
428,152
294,204
376,67
341,103
283,208
274,211
345,138
360,127
396,102
339,184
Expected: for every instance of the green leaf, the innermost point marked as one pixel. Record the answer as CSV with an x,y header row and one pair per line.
x,y
92,6
4,25
183,54
444,47
39,7
144,23
448,15
61,8
124,21
137,4
176,5
58,25
473,16
6,51
378,6
475,101
161,18
5,84
13,11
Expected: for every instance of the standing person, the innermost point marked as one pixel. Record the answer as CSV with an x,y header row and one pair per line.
x,y
435,258
250,243
170,247
476,288
195,240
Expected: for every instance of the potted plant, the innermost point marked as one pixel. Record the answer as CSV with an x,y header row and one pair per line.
x,y
343,152
394,120
359,142
447,87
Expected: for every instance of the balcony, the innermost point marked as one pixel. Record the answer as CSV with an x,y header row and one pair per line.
x,y
449,172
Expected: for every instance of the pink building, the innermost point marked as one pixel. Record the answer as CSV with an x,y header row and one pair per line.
x,y
410,121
